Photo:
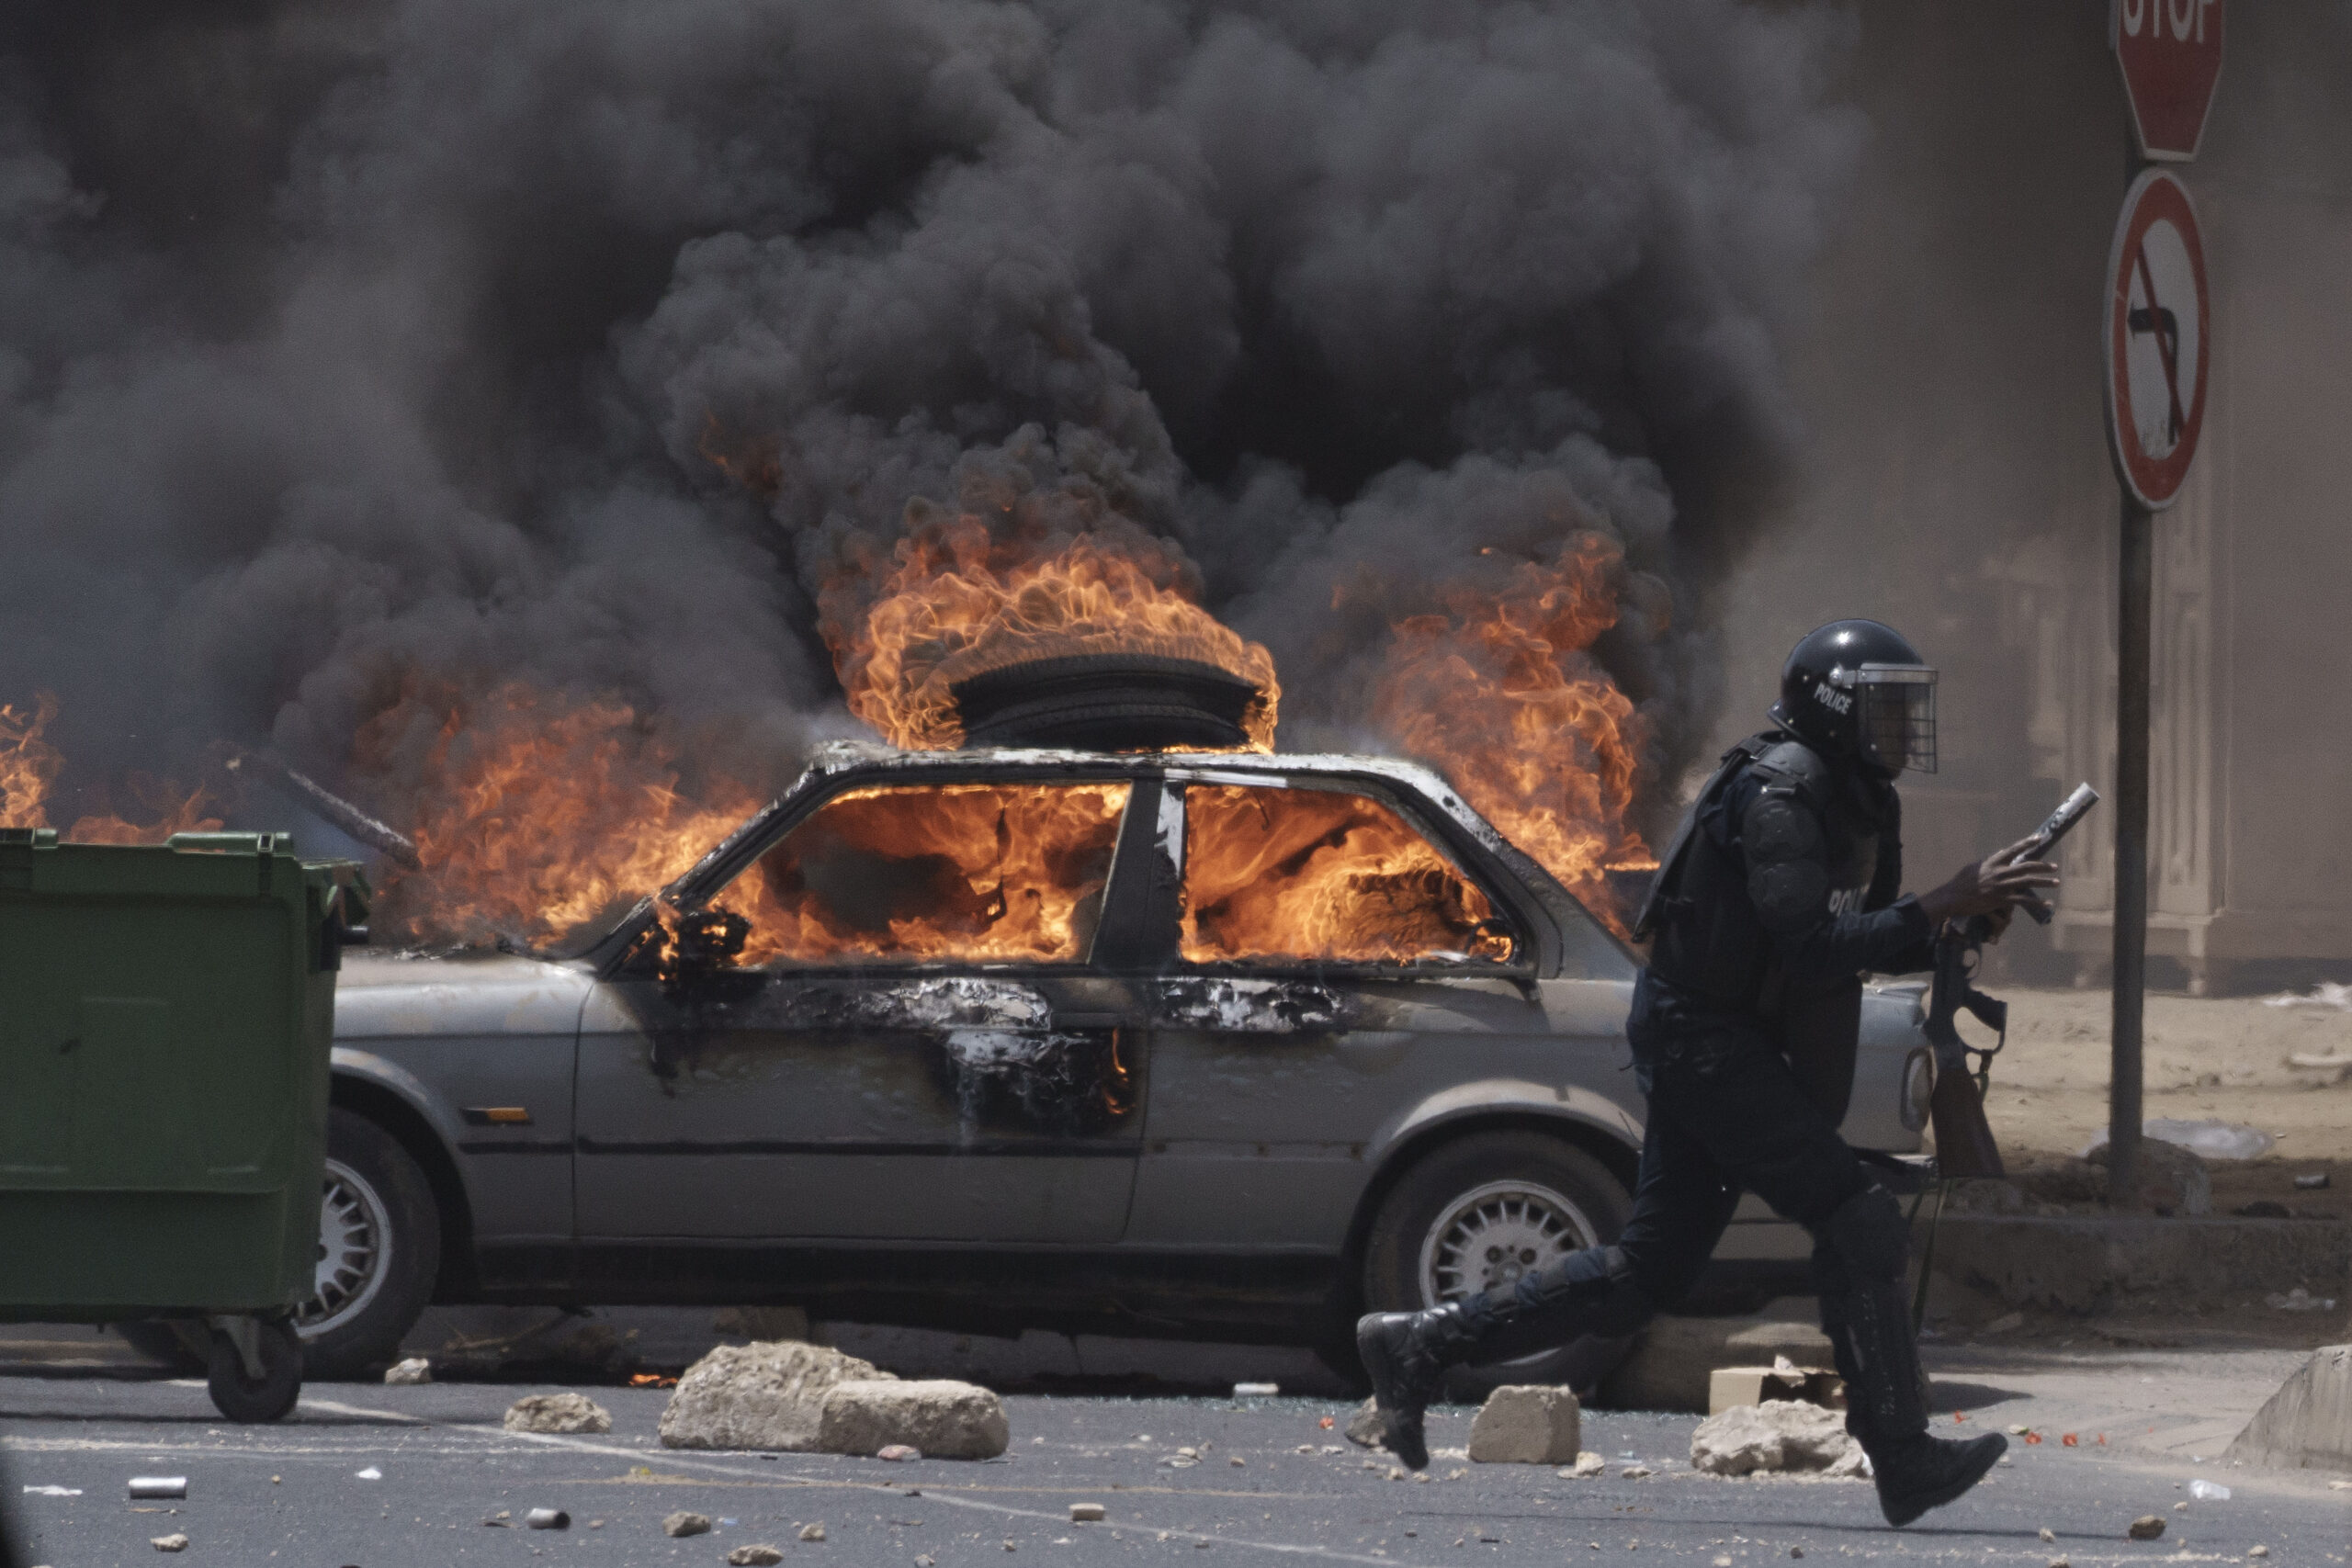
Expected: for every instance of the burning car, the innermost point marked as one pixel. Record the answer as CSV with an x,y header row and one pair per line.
x,y
1213,1045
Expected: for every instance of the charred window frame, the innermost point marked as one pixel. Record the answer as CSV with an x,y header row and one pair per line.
x,y
1533,940
638,946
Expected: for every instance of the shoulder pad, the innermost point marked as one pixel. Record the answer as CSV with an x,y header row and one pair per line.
x,y
1800,768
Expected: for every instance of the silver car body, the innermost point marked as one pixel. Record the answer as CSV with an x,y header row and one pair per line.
x,y
825,1143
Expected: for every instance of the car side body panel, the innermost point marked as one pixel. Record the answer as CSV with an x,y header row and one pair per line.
x,y
460,1038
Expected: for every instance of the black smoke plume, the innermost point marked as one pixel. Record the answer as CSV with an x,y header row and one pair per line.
x,y
351,353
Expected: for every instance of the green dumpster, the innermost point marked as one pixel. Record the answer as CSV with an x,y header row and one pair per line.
x,y
166,1015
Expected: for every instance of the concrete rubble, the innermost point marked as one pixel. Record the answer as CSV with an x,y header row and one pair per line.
x,y
1526,1424
415,1369
768,1395
1671,1365
2147,1527
564,1414
755,1555
1778,1436
682,1523
175,1541
1363,1427
2307,1425
944,1418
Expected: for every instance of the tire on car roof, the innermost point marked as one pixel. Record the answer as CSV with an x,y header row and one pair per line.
x,y
380,1250
1481,1209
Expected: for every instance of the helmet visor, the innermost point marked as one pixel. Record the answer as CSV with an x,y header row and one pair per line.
x,y
1895,715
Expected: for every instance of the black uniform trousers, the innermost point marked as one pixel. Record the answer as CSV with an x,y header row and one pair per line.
x,y
1728,1115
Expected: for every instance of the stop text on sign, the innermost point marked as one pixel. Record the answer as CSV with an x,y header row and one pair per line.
x,y
2170,54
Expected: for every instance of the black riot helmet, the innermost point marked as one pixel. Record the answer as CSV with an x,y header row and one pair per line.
x,y
1855,689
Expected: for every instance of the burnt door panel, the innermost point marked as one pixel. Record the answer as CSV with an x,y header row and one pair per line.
x,y
1268,1095
938,1107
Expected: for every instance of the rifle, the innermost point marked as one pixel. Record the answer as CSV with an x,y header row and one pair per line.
x,y
1965,1145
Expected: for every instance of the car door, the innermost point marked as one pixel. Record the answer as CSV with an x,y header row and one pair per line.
x,y
885,1028
1335,967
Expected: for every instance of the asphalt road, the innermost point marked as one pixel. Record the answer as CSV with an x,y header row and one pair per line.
x,y
292,1493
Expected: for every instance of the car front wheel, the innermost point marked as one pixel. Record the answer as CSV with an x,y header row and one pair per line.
x,y
1485,1211
379,1249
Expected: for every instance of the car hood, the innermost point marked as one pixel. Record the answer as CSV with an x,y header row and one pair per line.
x,y
495,993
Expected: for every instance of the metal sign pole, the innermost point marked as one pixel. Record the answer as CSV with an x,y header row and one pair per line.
x,y
2135,589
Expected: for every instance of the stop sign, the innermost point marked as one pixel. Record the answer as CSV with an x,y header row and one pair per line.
x,y
2171,54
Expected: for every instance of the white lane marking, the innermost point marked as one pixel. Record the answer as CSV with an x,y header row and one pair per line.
x,y
675,1458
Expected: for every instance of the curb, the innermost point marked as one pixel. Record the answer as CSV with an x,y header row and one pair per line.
x,y
2082,1264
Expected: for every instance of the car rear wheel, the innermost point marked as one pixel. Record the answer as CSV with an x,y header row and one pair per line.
x,y
1484,1211
380,1249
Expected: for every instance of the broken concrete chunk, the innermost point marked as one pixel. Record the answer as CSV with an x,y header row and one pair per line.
x,y
175,1541
415,1369
1363,1427
755,1556
2171,1178
560,1413
547,1520
813,1532
898,1453
1587,1465
685,1524
1526,1424
944,1418
1729,1386
2147,1527
2307,1425
763,1396
1780,1434
1086,1512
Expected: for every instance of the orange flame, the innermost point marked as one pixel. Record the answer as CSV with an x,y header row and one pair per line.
x,y
538,814
986,872
28,764
959,601
1317,873
1501,695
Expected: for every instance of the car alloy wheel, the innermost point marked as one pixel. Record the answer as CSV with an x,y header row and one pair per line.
x,y
1493,1234
354,1252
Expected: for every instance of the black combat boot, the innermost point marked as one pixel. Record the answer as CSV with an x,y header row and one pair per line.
x,y
1406,1354
1869,1324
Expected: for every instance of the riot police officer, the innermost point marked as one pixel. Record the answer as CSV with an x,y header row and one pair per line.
x,y
1779,890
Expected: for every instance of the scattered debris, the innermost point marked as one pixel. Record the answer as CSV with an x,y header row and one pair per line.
x,y
813,1532
157,1486
547,1520
371,1473
2298,1300
2048,1536
53,1491
1636,1473
175,1541
1086,1512
755,1555
1728,1386
2326,994
1527,1424
2147,1527
765,1395
1780,1434
415,1369
1256,1389
1236,1461
940,1416
2311,1181
685,1524
2206,1491
1587,1465
897,1453
2257,1551
2263,1209
1363,1427
650,1380
565,1413
499,1520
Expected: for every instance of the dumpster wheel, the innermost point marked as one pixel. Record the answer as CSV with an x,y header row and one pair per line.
x,y
237,1391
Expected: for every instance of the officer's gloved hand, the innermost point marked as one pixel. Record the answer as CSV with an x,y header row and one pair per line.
x,y
1997,886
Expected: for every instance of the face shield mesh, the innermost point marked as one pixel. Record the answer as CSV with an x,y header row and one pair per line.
x,y
1895,715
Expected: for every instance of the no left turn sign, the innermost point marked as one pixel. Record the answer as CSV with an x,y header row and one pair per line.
x,y
2157,339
